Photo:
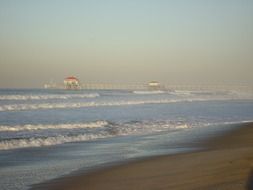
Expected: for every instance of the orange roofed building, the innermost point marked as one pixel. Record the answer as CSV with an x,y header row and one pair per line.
x,y
71,83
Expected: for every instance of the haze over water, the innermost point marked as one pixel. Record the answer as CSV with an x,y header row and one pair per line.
x,y
117,41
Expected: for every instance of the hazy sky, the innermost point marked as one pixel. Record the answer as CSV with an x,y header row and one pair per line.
x,y
126,41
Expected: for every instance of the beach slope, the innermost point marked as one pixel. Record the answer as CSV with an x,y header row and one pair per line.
x,y
225,164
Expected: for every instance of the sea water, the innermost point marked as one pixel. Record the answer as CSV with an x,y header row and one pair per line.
x,y
46,134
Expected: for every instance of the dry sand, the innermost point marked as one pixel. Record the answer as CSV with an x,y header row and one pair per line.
x,y
225,164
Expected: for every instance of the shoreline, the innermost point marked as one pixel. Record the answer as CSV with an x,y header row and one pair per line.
x,y
225,163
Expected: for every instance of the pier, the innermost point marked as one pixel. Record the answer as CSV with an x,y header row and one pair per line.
x,y
169,87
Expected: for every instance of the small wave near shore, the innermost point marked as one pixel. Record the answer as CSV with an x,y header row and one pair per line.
x,y
47,135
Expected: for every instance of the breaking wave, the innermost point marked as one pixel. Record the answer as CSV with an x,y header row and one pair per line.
x,y
34,135
20,107
96,124
149,92
45,141
46,97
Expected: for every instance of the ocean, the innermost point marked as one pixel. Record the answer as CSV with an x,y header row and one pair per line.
x,y
48,133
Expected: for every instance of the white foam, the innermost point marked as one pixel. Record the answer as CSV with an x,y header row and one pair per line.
x,y
34,135
149,92
37,135
185,126
147,127
47,141
19,107
181,93
48,96
96,124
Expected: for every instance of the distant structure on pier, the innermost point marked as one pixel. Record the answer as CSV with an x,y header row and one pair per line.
x,y
71,83
51,85
154,85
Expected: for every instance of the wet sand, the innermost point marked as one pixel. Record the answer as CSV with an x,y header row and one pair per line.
x,y
225,164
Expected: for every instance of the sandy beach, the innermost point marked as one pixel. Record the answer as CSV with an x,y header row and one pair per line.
x,y
225,163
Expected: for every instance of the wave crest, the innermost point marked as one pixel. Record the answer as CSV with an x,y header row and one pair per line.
x,y
41,135
96,124
48,96
149,92
47,141
20,107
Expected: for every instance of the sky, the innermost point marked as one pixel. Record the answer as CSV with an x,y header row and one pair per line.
x,y
119,41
